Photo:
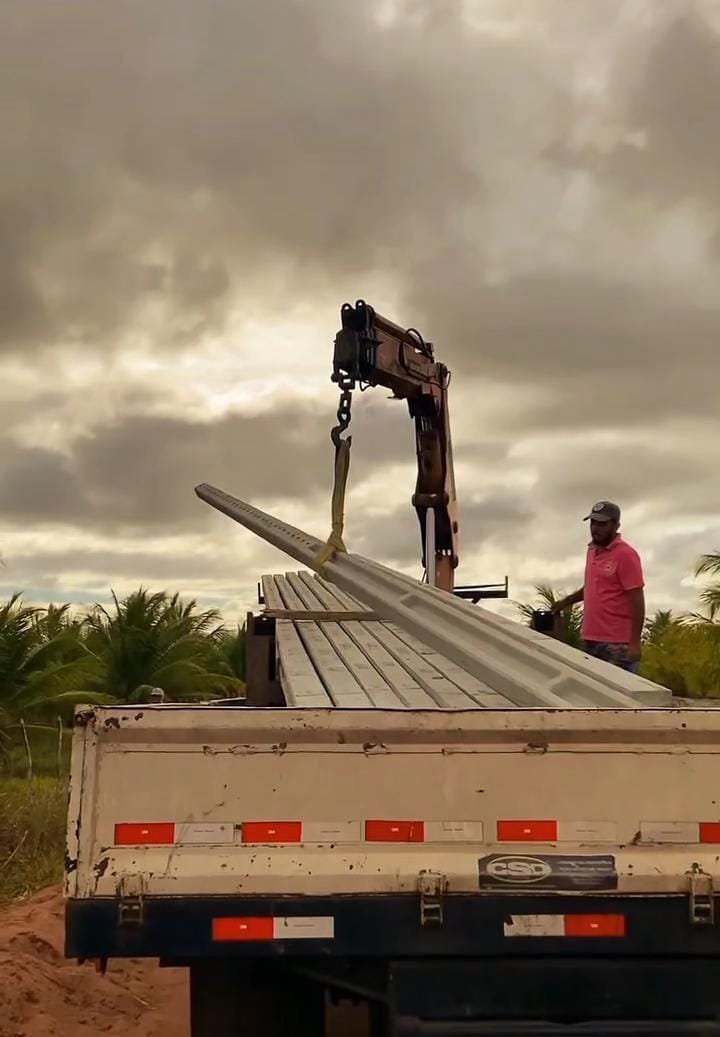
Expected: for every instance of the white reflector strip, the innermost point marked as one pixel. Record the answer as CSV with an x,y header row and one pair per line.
x,y
587,832
670,831
535,925
198,833
332,831
575,927
310,928
453,831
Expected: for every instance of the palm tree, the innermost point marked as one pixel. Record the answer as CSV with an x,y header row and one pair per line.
x,y
709,565
44,669
569,623
153,640
231,647
658,625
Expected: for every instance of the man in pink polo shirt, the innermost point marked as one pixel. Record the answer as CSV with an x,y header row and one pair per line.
x,y
613,593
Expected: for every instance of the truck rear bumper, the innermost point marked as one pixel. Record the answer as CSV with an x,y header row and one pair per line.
x,y
613,1028
387,927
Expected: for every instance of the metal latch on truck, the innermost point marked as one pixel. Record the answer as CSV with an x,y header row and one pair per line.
x,y
432,887
702,900
130,891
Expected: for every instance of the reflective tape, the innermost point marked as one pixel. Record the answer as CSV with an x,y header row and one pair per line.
x,y
253,929
598,926
149,834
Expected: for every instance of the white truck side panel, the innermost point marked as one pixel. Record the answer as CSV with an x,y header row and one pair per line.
x,y
640,785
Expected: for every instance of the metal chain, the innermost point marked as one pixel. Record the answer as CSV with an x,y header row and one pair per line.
x,y
347,385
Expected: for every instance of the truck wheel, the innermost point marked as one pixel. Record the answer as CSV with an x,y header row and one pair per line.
x,y
227,1000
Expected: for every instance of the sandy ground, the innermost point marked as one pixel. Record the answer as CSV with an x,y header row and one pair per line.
x,y
42,995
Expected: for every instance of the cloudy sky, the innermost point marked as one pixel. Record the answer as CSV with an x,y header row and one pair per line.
x,y
188,193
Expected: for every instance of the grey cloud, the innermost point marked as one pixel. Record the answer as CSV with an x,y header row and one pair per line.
x,y
672,101
139,473
496,519
598,351
661,478
167,166
175,155
106,565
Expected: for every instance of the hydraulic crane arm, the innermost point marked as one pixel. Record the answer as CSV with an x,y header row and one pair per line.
x,y
372,350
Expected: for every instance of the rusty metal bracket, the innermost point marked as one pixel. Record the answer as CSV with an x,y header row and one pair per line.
x,y
701,897
130,891
432,887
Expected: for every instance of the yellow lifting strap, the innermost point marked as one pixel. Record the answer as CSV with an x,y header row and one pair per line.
x,y
335,540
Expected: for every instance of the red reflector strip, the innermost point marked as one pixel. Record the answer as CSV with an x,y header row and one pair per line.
x,y
243,930
272,832
594,925
710,831
527,831
157,834
233,930
395,831
571,926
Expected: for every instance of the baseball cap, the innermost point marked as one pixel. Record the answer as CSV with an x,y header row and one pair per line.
x,y
604,511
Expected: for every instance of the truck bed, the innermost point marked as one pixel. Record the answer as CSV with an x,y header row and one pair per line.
x,y
219,801
332,650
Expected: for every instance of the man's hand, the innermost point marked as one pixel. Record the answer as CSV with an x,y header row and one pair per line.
x,y
567,603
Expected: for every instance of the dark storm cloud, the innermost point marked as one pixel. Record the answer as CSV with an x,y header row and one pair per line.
x,y
176,154
597,352
139,472
497,519
671,100
168,167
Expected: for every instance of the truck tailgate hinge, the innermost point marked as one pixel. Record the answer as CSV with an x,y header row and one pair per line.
x,y
702,900
130,891
432,887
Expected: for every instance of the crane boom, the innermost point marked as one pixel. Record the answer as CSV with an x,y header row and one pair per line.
x,y
372,350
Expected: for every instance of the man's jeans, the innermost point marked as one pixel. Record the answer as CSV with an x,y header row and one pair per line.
x,y
618,655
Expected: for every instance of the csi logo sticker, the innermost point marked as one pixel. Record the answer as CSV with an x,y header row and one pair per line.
x,y
548,871
518,870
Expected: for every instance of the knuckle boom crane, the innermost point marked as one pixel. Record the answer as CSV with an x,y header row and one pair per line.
x,y
372,350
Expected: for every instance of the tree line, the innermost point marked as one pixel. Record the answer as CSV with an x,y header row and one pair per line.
x,y
681,651
51,659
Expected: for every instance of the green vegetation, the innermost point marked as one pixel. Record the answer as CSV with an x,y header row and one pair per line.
x,y
681,652
50,661
568,624
32,835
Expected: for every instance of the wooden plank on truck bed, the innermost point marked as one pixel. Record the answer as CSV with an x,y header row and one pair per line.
x,y
299,680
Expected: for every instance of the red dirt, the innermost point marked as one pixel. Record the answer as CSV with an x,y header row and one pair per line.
x,y
43,995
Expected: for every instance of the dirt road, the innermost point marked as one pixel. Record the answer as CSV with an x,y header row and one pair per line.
x,y
42,995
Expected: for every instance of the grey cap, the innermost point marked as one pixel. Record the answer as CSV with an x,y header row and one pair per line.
x,y
604,511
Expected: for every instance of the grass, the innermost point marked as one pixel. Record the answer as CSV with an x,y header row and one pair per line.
x,y
32,835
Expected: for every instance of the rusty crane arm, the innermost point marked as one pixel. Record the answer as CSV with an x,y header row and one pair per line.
x,y
372,350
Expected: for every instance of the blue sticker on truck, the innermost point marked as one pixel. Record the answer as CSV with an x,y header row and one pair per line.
x,y
548,871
